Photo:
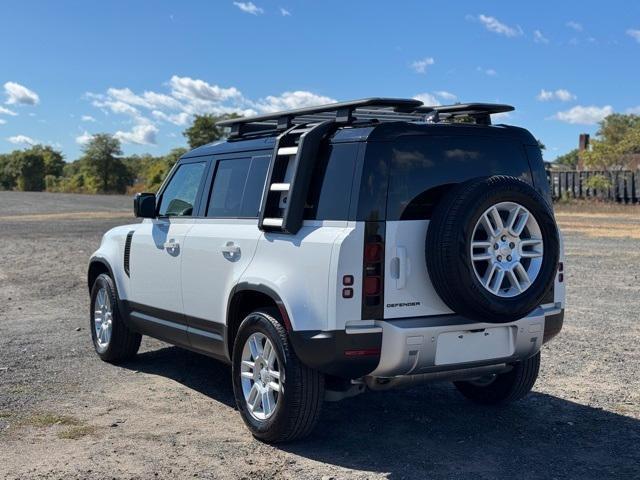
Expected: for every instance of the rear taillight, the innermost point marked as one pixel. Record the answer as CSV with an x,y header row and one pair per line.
x,y
373,271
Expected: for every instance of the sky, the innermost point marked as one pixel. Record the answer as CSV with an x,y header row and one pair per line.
x,y
141,69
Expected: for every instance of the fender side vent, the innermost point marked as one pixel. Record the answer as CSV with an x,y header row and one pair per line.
x,y
127,252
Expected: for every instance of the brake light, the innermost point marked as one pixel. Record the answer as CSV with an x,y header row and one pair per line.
x,y
373,271
372,286
372,252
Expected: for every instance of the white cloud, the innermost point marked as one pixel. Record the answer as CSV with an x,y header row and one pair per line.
x,y
284,12
496,26
6,111
88,118
434,99
420,66
187,97
83,138
19,94
572,24
635,34
446,95
181,118
538,37
487,71
428,99
147,99
561,94
501,116
249,7
582,115
187,88
22,140
140,135
2,121
290,100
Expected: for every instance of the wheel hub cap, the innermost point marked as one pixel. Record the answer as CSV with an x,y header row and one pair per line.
x,y
103,318
261,376
506,249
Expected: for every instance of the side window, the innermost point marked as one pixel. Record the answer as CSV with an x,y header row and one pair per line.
x,y
179,197
237,187
330,190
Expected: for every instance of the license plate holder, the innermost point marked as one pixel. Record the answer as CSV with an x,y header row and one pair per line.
x,y
466,346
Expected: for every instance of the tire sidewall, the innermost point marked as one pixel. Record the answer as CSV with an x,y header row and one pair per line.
x,y
104,281
478,301
253,323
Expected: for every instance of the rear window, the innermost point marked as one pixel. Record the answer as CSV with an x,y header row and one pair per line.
x,y
421,166
331,183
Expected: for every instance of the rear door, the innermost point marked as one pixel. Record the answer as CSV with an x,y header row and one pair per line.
x,y
420,169
157,248
220,246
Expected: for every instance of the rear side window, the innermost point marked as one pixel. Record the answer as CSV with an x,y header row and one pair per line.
x,y
422,166
237,187
331,184
179,196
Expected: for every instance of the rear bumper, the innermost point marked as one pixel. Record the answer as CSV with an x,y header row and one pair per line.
x,y
411,346
437,344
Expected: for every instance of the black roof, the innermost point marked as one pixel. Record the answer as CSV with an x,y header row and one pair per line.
x,y
372,119
371,109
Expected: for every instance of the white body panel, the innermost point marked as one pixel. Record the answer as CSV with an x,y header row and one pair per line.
x,y
302,270
155,266
216,253
408,292
111,250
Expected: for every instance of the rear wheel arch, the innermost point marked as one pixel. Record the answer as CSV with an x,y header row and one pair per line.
x,y
246,298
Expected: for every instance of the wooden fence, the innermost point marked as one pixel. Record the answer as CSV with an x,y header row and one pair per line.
x,y
624,185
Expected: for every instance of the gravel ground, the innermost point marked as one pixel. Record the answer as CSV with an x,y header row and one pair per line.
x,y
169,413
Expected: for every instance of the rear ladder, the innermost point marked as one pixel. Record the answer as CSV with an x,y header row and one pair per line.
x,y
285,193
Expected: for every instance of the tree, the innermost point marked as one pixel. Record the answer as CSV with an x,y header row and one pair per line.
x,y
53,160
541,145
203,130
27,167
618,138
107,173
569,159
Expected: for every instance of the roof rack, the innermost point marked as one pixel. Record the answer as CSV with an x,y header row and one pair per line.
x,y
368,109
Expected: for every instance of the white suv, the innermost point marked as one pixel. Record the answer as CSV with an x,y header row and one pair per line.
x,y
329,250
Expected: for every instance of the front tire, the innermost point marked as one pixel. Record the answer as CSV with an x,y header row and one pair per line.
x,y
112,339
504,387
279,398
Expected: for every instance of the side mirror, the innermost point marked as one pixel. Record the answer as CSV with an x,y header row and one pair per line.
x,y
144,205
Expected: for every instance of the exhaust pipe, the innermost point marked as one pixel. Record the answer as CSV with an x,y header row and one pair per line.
x,y
388,383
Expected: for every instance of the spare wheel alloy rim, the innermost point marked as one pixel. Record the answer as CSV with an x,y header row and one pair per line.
x,y
506,249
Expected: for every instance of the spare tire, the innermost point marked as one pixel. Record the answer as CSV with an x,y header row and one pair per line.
x,y
492,249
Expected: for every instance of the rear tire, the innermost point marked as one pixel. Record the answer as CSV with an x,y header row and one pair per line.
x,y
505,387
298,402
120,343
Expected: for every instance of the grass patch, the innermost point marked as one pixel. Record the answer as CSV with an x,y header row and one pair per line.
x,y
5,415
76,432
42,420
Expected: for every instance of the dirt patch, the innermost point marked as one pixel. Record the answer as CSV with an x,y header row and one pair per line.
x,y
170,413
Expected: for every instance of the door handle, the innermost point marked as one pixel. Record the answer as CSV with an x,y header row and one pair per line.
x,y
401,255
171,245
230,250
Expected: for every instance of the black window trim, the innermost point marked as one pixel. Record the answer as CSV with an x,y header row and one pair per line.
x,y
198,201
206,200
